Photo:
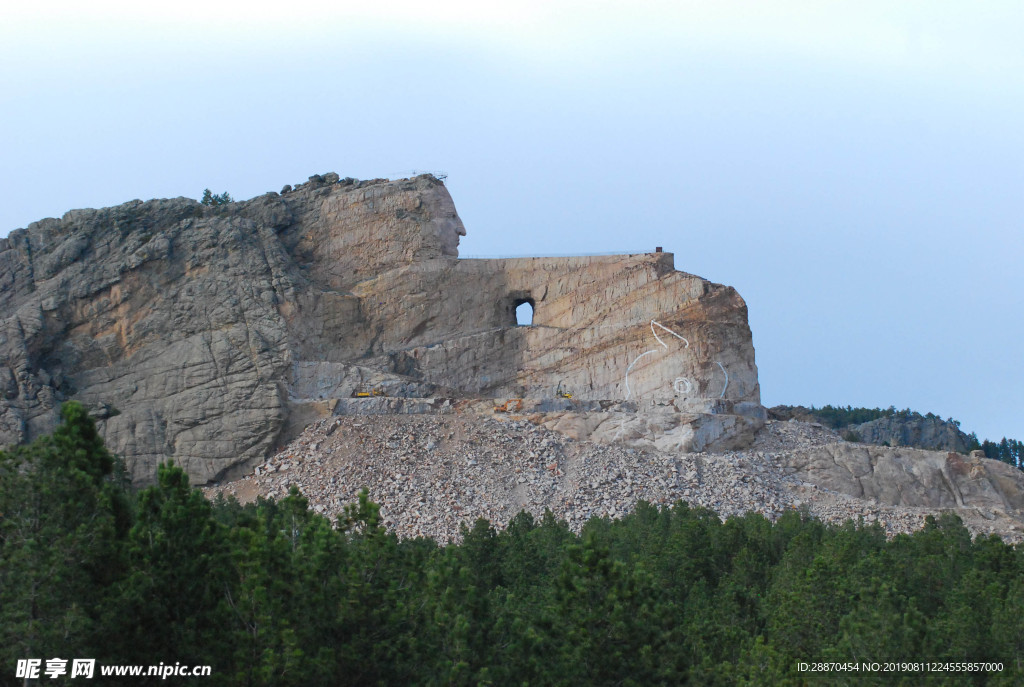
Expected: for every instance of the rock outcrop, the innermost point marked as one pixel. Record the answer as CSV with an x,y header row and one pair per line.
x,y
893,428
911,477
929,433
210,335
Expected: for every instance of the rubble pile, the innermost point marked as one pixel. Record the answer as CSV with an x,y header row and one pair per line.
x,y
432,472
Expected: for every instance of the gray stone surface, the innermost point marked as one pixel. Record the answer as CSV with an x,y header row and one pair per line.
x,y
901,429
911,477
920,432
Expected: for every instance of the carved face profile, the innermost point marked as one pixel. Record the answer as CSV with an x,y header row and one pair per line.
x,y
444,226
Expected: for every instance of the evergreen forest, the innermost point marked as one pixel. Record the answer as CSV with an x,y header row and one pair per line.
x,y
272,593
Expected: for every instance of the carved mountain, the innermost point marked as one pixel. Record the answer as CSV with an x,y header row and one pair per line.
x,y
211,335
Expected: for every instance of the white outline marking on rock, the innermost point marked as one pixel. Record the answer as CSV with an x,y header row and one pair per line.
x,y
722,395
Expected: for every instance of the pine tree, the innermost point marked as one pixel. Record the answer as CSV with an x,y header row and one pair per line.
x,y
172,601
211,198
64,512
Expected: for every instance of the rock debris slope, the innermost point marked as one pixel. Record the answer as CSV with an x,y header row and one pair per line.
x,y
433,472
210,335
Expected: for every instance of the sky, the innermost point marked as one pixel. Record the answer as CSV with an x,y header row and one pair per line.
x,y
854,169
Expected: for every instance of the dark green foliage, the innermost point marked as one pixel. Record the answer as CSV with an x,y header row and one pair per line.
x,y
64,518
841,417
176,552
271,593
210,198
838,417
1008,450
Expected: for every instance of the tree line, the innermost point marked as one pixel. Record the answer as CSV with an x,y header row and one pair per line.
x,y
838,417
272,593
1008,450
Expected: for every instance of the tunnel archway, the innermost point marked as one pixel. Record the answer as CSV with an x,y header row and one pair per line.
x,y
524,311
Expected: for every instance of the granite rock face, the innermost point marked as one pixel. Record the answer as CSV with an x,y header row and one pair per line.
x,y
211,335
931,433
911,477
901,428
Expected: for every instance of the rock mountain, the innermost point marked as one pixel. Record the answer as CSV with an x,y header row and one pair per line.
x,y
212,335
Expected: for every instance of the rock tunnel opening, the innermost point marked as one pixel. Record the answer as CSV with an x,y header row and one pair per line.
x,y
524,311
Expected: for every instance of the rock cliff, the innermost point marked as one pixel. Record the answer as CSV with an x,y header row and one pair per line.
x,y
930,433
898,428
211,335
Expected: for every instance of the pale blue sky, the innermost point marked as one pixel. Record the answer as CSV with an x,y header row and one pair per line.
x,y
854,169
